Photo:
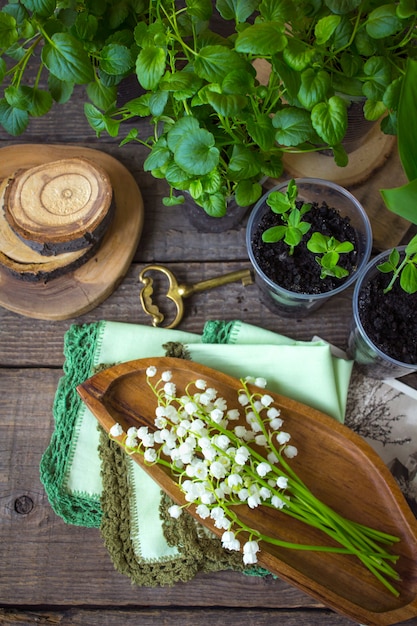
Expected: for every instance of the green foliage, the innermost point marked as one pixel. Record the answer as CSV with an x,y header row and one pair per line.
x,y
405,270
320,53
292,228
329,250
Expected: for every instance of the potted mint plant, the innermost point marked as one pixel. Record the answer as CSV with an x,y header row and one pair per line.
x,y
201,93
307,239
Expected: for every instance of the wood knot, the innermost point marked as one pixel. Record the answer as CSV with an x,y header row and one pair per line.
x,y
23,505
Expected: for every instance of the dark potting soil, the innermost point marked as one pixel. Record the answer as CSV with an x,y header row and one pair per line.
x,y
300,272
390,319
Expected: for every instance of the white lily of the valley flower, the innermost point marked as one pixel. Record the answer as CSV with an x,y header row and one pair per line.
x,y
290,452
282,482
229,541
283,437
116,430
151,371
250,548
175,511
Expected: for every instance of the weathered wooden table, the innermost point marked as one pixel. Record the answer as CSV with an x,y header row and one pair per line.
x,y
53,573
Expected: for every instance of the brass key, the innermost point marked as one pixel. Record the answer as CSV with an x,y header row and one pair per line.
x,y
177,292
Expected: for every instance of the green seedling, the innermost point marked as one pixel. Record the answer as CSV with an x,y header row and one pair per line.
x,y
293,228
329,250
405,270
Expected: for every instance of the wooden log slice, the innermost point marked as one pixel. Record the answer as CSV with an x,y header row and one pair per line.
x,y
59,207
28,264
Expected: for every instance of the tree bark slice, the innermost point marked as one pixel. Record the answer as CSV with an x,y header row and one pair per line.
x,y
59,207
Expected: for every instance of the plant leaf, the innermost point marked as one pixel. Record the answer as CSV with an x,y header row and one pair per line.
x,y
40,101
237,10
383,22
247,192
214,204
314,87
214,62
182,127
408,278
150,66
407,123
325,28
115,59
202,9
41,7
14,121
263,38
329,119
101,95
8,30
402,200
67,60
293,126
244,163
273,234
60,90
261,130
298,55
341,7
226,104
196,153
159,156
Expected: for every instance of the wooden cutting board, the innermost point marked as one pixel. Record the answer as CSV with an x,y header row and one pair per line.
x,y
82,289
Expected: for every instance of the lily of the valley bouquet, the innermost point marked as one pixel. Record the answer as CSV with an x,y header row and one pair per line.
x,y
221,464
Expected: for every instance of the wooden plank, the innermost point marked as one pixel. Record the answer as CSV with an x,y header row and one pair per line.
x,y
39,342
177,617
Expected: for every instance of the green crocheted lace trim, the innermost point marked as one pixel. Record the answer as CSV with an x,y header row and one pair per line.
x,y
80,342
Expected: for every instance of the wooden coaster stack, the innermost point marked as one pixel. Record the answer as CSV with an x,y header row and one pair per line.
x,y
53,217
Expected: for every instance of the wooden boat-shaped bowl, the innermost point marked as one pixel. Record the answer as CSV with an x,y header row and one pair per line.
x,y
338,466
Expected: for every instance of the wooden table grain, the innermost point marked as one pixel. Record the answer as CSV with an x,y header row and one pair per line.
x,y
53,573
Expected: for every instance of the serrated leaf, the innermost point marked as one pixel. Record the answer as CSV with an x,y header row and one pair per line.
x,y
392,93
342,7
314,87
118,12
325,28
201,9
183,126
290,78
86,25
214,204
383,22
276,10
101,95
298,55
14,121
40,102
264,38
226,105
196,153
293,126
261,130
8,31
60,90
45,8
67,60
95,118
115,59
150,66
329,120
139,106
244,163
373,109
17,97
157,102
341,157
213,63
173,200
236,10
183,84
247,192
160,155
177,177
238,82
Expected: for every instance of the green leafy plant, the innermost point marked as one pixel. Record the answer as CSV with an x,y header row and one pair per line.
x,y
405,269
329,250
293,228
216,129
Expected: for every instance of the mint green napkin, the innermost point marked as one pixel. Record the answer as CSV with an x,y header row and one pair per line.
x,y
71,467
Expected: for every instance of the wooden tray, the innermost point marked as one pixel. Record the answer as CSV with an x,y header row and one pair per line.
x,y
82,289
337,465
